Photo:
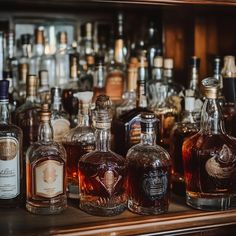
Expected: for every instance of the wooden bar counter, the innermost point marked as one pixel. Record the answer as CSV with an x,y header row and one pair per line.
x,y
180,220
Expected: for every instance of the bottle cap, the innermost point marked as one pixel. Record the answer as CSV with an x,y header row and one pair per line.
x,y
195,62
45,113
148,121
4,86
62,37
210,87
31,85
39,35
168,63
158,61
142,62
87,30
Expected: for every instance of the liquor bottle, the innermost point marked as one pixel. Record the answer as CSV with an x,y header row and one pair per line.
x,y
62,60
115,79
77,142
148,172
217,70
129,97
26,115
59,119
102,174
11,162
210,157
43,89
183,129
38,50
45,171
229,93
126,128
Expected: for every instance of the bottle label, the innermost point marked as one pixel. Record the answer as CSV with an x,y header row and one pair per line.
x,y
134,132
155,184
9,168
222,164
48,178
60,128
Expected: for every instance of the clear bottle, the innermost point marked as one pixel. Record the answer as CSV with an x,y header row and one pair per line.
x,y
11,161
77,142
102,174
229,94
183,129
60,119
26,115
46,171
210,158
148,172
62,61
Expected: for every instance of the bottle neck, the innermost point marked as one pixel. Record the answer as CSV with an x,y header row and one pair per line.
x,y
148,137
119,51
99,76
102,139
193,84
157,73
4,112
168,75
211,117
39,49
45,133
141,95
83,117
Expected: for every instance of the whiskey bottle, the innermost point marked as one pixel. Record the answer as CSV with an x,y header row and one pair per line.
x,y
59,119
102,172
183,129
11,162
229,94
77,142
45,171
148,172
26,115
210,158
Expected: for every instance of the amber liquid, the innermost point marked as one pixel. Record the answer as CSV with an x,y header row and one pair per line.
x,y
74,152
144,202
229,112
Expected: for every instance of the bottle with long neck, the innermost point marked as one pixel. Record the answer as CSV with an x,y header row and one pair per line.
x,y
77,142
11,161
229,94
46,171
210,157
26,116
102,172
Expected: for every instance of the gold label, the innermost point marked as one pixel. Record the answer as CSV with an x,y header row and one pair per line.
x,y
8,149
134,133
114,86
60,128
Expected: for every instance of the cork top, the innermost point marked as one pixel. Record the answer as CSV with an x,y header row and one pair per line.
x,y
45,113
31,85
39,36
158,61
210,87
168,63
62,37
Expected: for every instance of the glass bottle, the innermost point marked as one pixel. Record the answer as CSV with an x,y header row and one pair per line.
x,y
183,129
11,161
209,158
26,115
229,93
59,119
77,142
45,171
102,172
148,172
43,89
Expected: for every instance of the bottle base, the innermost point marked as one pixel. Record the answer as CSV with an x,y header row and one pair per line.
x,y
136,208
210,202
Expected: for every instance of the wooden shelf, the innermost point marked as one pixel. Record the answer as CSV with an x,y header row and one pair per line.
x,y
180,219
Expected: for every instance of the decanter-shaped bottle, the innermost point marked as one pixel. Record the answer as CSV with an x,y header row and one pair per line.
x,y
11,161
148,172
210,158
183,129
102,172
77,142
45,171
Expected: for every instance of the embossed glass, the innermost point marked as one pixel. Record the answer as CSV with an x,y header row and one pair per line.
x,y
148,172
210,158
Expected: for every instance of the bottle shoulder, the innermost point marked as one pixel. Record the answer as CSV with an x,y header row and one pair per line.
x,y
11,130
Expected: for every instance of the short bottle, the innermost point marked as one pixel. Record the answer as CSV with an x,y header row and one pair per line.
x,y
102,174
77,142
148,172
210,158
11,161
45,171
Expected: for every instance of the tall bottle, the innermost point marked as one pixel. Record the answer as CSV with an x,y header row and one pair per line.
x,y
210,158
26,116
115,80
148,172
11,161
77,142
46,171
102,172
229,93
126,128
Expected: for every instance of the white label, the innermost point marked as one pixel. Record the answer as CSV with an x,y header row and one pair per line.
x,y
60,128
49,179
9,168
